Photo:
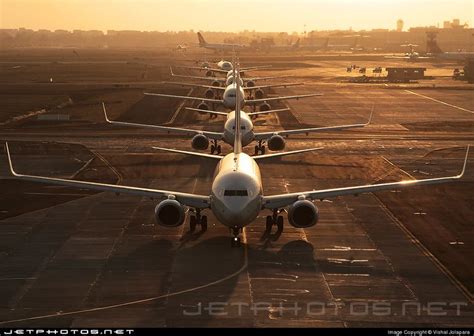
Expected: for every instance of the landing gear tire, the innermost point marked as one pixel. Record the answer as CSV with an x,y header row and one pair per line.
x,y
279,224
192,223
262,150
213,148
218,149
256,150
204,223
268,226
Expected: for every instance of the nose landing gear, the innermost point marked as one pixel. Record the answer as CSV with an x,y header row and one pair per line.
x,y
235,242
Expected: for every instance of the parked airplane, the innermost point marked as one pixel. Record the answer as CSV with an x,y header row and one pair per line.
x,y
201,139
256,91
222,67
229,79
220,46
236,197
229,97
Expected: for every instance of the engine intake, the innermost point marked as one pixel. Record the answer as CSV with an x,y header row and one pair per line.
x,y
216,83
169,213
259,94
200,142
303,214
250,83
209,94
276,143
203,106
265,107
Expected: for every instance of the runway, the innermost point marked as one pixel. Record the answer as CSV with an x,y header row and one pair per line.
x,y
380,259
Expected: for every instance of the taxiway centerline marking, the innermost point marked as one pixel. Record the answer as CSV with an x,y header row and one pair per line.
x,y
439,101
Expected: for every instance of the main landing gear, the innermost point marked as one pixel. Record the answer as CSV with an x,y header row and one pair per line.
x,y
235,242
197,219
274,220
260,148
215,148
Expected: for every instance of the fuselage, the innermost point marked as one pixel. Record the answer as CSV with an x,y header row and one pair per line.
x,y
230,94
246,128
236,195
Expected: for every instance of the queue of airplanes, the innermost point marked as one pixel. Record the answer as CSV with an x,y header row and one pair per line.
x,y
236,197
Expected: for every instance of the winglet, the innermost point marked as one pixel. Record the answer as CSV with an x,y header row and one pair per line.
x,y
465,162
10,164
105,114
171,70
371,114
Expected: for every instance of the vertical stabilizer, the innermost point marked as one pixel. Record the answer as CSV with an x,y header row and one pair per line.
x,y
238,135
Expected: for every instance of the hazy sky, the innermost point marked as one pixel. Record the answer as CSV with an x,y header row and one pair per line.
x,y
229,15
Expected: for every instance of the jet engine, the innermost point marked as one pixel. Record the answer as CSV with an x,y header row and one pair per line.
x,y
276,143
169,213
250,83
303,214
200,142
203,106
209,73
209,94
216,83
259,94
265,107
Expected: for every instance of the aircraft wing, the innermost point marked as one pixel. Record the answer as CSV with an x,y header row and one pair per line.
x,y
192,200
207,156
268,135
187,131
197,85
256,67
283,200
271,86
263,100
198,77
279,154
267,112
206,111
263,78
184,97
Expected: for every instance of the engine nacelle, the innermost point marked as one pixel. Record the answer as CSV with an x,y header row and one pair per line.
x,y
276,143
259,94
209,94
169,213
216,83
203,106
265,107
200,142
303,214
209,73
250,83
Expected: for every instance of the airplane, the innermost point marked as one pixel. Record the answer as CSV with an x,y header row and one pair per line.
x,y
220,46
257,89
411,55
273,139
210,72
229,97
181,47
220,81
237,196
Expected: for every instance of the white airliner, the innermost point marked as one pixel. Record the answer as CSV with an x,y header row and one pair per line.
x,y
201,138
236,197
229,97
221,81
220,46
223,67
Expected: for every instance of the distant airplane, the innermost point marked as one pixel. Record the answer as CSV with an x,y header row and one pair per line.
x,y
229,79
229,97
411,55
237,196
220,46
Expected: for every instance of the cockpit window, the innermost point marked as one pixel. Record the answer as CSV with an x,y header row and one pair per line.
x,y
241,127
230,192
